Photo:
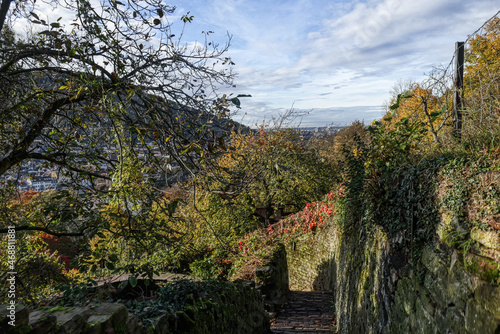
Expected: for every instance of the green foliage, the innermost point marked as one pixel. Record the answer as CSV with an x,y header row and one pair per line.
x,y
38,269
82,292
414,193
57,309
227,217
214,265
401,97
457,196
392,147
347,141
459,240
178,296
406,174
266,170
354,180
78,98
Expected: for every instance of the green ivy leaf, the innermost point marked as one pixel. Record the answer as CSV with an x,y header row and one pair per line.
x,y
133,281
173,206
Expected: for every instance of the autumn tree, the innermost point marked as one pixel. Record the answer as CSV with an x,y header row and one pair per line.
x,y
347,141
37,266
108,99
430,102
259,173
427,104
114,82
482,77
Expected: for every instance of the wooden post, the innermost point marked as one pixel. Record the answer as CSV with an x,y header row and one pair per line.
x,y
458,83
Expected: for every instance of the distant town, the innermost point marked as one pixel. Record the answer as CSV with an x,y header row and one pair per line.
x,y
38,176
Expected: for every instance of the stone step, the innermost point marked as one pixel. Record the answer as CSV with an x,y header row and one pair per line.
x,y
305,312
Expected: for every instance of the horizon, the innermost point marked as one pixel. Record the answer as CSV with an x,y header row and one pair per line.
x,y
339,60
332,62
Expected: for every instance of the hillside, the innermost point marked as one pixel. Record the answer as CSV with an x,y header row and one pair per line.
x,y
395,223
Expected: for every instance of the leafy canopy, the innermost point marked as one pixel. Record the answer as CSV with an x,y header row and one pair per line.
x,y
108,99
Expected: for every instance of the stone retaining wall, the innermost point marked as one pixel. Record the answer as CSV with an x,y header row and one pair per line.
x,y
238,309
375,291
310,261
444,298
273,280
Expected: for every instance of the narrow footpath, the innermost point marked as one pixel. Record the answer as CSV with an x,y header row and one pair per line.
x,y
305,312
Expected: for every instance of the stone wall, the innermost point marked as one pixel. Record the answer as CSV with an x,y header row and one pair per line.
x,y
349,266
273,280
237,309
59,319
378,291
444,297
310,261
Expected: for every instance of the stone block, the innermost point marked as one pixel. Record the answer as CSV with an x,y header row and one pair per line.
x,y
489,297
399,322
436,286
454,321
42,322
163,323
489,239
407,295
479,320
431,260
134,326
424,321
72,320
20,316
486,269
459,287
427,301
109,315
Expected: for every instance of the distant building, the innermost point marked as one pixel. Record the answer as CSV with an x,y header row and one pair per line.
x,y
41,183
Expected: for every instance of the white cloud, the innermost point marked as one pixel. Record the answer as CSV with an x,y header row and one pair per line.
x,y
332,56
354,56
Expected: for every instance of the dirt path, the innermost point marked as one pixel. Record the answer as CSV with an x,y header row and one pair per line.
x,y
305,312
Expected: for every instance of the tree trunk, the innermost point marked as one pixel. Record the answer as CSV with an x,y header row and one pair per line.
x,y
4,8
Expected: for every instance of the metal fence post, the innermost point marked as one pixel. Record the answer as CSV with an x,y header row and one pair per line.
x,y
458,85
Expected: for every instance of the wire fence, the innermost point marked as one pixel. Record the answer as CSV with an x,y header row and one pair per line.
x,y
481,89
467,106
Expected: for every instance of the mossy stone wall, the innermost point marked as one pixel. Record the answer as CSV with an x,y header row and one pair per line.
x,y
352,267
273,280
310,261
238,309
377,291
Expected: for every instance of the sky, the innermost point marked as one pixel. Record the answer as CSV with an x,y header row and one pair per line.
x,y
336,61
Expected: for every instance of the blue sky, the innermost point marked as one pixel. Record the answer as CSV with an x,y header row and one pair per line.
x,y
338,60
